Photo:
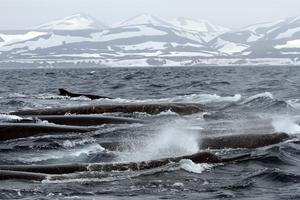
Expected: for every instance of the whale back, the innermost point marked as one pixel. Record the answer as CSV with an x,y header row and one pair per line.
x,y
249,141
63,92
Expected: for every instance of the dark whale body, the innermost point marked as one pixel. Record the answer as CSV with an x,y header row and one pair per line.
x,y
9,175
85,120
38,172
182,109
64,92
249,141
22,130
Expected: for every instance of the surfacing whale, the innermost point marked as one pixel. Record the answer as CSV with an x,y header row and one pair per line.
x,y
40,172
10,175
180,108
64,92
248,141
37,172
85,120
22,130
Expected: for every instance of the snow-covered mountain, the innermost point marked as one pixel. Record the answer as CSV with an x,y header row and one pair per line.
x,y
7,39
74,22
263,40
200,26
143,19
146,40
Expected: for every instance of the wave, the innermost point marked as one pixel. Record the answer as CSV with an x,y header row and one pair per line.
x,y
75,143
265,95
59,97
56,156
17,95
294,103
190,166
277,175
265,101
8,118
191,98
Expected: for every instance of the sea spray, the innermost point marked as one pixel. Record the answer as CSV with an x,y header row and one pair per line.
x,y
171,140
285,123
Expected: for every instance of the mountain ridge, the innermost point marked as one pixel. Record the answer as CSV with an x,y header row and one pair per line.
x,y
147,40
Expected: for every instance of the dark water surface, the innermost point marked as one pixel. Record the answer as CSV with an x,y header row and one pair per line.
x,y
250,100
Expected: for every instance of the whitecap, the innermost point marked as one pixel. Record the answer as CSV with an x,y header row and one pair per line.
x,y
5,117
58,154
260,95
167,113
17,95
190,166
294,103
191,98
178,184
74,143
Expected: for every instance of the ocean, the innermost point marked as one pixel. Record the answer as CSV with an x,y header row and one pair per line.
x,y
242,100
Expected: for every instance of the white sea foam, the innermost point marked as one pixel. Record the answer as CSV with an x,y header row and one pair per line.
x,y
168,112
17,95
191,98
206,98
74,143
59,154
295,103
190,166
178,184
5,117
285,123
59,97
260,95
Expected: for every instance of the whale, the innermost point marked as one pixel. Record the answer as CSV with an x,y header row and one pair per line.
x,y
246,141
64,92
85,120
179,108
11,175
249,141
240,141
10,131
40,172
22,130
57,169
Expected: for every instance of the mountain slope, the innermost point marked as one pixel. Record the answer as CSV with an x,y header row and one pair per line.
x,y
74,22
143,19
146,40
200,26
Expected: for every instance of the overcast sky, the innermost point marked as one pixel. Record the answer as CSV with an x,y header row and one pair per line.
x,y
17,14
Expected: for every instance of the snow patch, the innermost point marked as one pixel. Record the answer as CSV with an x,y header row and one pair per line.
x,y
200,26
290,44
74,22
9,39
288,33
